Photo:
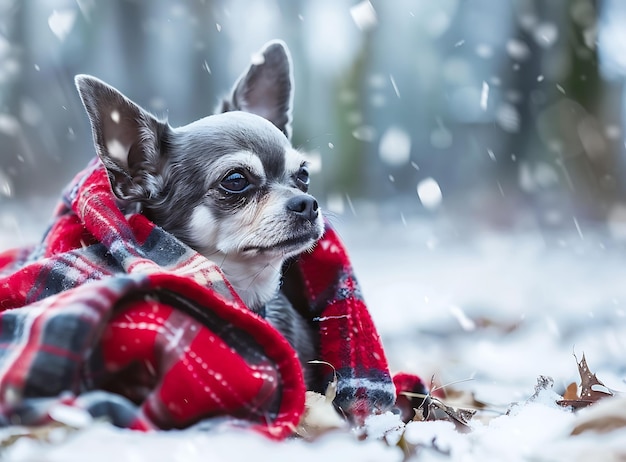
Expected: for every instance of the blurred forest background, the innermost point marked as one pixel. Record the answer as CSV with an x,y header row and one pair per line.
x,y
508,112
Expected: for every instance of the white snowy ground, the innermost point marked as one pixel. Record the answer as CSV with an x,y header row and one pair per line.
x,y
490,312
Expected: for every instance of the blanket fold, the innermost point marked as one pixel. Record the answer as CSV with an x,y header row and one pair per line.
x,y
116,316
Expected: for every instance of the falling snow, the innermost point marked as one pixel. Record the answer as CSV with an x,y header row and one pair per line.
x,y
30,112
508,118
61,23
364,133
9,125
546,34
6,187
537,177
257,59
429,193
314,160
484,96
116,149
394,85
517,49
484,51
364,15
464,321
493,309
395,147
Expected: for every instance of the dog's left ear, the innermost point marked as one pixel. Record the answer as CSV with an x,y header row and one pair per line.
x,y
266,87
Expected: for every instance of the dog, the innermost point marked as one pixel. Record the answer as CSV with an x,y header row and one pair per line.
x,y
229,185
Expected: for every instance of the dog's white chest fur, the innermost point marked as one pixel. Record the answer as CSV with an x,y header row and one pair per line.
x,y
256,282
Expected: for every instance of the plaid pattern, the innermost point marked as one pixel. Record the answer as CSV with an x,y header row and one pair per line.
x,y
116,316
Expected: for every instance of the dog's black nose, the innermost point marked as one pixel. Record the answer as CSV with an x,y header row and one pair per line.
x,y
304,206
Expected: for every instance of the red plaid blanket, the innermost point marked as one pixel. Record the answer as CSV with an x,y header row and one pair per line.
x,y
114,315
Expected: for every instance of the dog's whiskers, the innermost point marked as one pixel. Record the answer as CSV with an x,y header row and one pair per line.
x,y
260,271
224,260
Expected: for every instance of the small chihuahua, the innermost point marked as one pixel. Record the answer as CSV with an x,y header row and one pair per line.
x,y
229,185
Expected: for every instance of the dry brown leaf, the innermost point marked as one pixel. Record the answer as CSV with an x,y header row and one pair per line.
x,y
571,392
460,417
435,409
320,415
50,432
419,415
591,389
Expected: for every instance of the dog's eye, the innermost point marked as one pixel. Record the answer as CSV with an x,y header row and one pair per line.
x,y
302,177
235,182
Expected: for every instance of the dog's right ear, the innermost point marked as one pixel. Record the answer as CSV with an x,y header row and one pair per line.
x,y
266,87
126,137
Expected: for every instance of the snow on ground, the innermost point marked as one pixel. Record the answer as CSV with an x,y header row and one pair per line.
x,y
499,308
489,312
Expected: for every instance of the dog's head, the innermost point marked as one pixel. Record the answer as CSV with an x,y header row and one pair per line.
x,y
229,185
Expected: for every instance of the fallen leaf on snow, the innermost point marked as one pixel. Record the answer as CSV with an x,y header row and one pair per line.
x,y
571,392
320,415
53,432
591,389
435,409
